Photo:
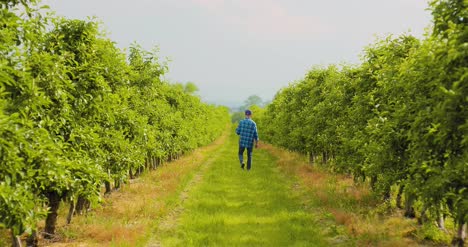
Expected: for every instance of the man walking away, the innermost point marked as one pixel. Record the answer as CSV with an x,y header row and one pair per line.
x,y
247,131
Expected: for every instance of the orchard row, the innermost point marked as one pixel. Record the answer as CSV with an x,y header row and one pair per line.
x,y
399,119
77,114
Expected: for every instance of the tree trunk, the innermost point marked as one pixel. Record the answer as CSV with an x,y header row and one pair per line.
x,y
387,194
441,221
88,205
324,158
139,171
423,217
311,158
117,184
79,205
32,240
130,173
373,182
147,163
71,212
51,220
399,196
459,240
15,240
409,209
108,187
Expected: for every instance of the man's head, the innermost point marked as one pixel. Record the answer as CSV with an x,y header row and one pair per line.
x,y
248,113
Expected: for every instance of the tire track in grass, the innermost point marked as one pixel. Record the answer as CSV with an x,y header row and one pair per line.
x,y
172,219
235,207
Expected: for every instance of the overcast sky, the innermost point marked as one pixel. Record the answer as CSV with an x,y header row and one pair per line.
x,y
232,49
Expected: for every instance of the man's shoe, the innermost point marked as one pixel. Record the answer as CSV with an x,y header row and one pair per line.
x,y
242,166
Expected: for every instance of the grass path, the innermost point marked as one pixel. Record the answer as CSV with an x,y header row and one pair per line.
x,y
171,219
234,207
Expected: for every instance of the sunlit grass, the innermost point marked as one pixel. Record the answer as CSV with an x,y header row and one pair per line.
x,y
235,207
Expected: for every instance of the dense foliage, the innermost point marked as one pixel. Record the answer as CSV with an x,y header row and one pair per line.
x,y
399,119
77,113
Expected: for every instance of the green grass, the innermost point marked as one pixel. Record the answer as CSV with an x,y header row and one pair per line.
x,y
235,207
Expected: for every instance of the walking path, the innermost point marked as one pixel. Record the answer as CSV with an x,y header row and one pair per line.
x,y
224,205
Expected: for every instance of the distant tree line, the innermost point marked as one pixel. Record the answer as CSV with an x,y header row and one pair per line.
x,y
254,103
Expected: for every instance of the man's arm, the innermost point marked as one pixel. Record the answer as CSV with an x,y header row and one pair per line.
x,y
238,129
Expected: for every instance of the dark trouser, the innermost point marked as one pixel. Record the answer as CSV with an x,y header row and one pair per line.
x,y
249,156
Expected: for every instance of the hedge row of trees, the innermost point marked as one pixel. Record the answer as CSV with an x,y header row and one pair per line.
x,y
77,113
399,119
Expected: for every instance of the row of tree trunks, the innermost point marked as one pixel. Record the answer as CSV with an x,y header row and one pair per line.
x,y
410,199
81,205
153,162
324,156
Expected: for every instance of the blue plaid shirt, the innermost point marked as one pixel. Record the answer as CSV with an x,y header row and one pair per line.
x,y
247,130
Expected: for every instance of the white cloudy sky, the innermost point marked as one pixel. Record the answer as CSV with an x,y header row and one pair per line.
x,y
235,48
